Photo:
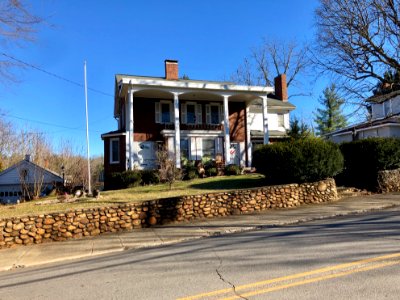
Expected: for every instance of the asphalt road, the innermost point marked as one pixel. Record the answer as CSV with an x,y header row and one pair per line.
x,y
344,258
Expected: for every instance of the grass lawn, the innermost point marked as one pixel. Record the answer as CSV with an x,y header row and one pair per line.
x,y
137,194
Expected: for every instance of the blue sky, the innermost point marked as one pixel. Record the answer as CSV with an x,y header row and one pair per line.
x,y
209,38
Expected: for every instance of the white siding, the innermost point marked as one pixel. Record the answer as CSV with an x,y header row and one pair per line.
x,y
395,131
348,137
377,111
256,121
396,105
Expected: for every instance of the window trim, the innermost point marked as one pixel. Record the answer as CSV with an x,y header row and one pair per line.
x,y
111,151
158,106
208,113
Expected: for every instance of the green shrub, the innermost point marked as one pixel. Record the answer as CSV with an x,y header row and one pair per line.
x,y
131,178
122,180
232,170
190,172
305,160
210,168
150,177
212,171
364,158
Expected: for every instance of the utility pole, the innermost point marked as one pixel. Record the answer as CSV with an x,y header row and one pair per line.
x,y
87,133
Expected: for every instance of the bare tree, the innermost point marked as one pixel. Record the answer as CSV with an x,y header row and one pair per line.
x,y
31,178
167,168
6,141
271,59
358,41
73,163
17,26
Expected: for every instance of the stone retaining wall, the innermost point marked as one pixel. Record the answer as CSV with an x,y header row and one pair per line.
x,y
389,180
95,221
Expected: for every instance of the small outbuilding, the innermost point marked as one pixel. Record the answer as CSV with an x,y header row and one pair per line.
x,y
25,178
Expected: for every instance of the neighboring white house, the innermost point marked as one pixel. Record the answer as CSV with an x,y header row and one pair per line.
x,y
384,121
25,173
278,119
192,119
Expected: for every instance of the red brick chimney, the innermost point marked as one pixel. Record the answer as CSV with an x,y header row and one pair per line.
x,y
171,69
281,87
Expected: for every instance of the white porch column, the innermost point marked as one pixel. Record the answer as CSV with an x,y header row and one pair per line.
x,y
177,132
265,119
248,137
129,123
226,131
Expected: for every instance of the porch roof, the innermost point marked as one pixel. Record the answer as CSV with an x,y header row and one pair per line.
x,y
150,85
259,134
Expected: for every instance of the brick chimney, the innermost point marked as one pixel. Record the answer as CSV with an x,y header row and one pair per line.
x,y
171,69
281,87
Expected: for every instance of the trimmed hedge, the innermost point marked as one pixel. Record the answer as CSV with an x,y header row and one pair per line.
x,y
298,161
150,177
128,179
364,158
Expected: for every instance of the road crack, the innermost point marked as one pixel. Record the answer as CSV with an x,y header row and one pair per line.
x,y
122,243
221,277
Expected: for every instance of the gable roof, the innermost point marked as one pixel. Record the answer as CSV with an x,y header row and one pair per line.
x,y
27,165
394,119
383,98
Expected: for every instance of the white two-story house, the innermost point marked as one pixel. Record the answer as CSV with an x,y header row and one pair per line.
x,y
384,120
191,119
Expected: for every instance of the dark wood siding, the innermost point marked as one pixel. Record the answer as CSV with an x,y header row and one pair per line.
x,y
237,121
111,168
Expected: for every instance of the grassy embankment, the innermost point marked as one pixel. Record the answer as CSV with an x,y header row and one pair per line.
x,y
137,194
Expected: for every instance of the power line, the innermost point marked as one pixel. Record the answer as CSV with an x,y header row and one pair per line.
x,y
79,128
54,75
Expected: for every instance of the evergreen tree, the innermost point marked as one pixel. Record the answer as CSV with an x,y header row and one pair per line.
x,y
330,117
298,129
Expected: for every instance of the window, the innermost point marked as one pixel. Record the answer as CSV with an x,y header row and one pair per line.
x,y
281,120
184,148
165,115
208,147
1,194
163,112
214,114
114,151
190,114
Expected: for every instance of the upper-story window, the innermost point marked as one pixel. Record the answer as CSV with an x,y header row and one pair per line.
x,y
191,113
163,112
214,113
